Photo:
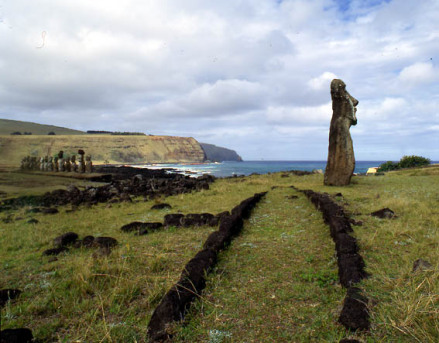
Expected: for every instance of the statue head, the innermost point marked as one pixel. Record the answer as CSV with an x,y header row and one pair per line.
x,y
340,96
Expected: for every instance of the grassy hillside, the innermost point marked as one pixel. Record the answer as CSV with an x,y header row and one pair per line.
x,y
114,149
8,126
277,282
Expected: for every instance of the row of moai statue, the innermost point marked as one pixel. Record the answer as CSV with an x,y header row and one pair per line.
x,y
59,163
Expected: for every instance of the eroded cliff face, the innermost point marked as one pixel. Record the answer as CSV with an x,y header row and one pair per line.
x,y
114,149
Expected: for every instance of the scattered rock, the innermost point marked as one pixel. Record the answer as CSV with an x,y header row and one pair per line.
x,y
125,197
349,340
32,221
105,242
161,206
355,315
21,335
86,242
34,210
300,172
54,251
52,259
49,210
173,219
141,227
385,213
285,175
65,239
421,265
8,294
197,219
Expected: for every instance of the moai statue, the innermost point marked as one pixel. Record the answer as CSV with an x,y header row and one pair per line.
x,y
23,161
26,163
88,164
46,163
55,164
73,162
67,165
341,159
33,163
42,163
81,162
50,164
61,161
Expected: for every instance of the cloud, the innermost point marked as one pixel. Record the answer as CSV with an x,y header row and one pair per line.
x,y
321,82
249,75
419,73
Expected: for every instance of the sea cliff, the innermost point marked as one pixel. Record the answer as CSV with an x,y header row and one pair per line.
x,y
103,148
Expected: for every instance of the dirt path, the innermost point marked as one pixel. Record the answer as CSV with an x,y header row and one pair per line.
x,y
266,292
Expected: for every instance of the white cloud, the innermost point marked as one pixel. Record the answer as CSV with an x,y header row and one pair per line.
x,y
321,82
419,73
253,69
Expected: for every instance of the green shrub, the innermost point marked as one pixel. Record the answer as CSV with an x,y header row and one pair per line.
x,y
404,162
413,161
388,166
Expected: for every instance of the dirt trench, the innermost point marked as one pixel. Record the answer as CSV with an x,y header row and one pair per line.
x,y
354,315
178,299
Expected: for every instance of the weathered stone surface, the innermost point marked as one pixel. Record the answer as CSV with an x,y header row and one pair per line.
x,y
65,239
385,213
21,335
54,251
8,294
105,242
355,315
173,219
341,159
161,206
421,265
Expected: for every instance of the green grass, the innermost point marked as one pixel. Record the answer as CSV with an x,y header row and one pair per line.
x,y
275,283
8,126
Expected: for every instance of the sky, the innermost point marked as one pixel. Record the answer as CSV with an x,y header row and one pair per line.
x,y
249,75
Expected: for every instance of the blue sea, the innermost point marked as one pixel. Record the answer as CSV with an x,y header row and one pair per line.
x,y
225,169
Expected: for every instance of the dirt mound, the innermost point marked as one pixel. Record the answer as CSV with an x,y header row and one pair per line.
x,y
351,265
192,280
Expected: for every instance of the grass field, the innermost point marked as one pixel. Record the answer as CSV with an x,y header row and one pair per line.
x,y
9,126
277,282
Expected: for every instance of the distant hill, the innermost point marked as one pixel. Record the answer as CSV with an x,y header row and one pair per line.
x,y
104,147
218,154
9,126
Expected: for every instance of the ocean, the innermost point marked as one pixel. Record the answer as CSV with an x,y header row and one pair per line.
x,y
225,169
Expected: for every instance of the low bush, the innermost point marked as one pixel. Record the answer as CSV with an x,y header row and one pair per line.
x,y
404,162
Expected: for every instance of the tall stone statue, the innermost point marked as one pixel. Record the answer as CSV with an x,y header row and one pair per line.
x,y
61,161
55,164
74,165
81,162
67,165
341,159
88,164
50,164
